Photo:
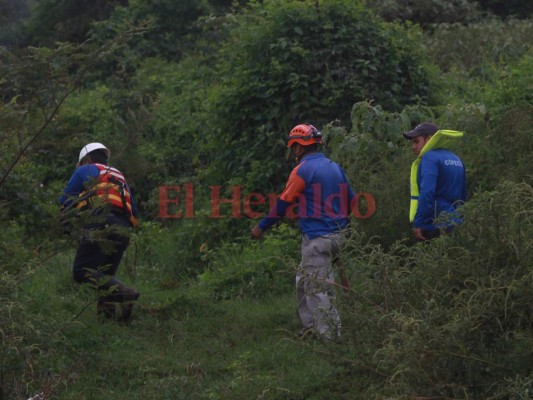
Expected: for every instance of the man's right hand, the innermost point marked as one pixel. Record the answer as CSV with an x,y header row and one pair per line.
x,y
419,234
256,233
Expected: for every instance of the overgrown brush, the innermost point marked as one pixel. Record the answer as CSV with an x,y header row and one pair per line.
x,y
243,271
452,318
477,46
27,340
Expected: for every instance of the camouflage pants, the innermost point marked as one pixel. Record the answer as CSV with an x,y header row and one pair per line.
x,y
315,289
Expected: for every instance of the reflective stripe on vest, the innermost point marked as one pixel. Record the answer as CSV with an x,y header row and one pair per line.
x,y
109,189
443,139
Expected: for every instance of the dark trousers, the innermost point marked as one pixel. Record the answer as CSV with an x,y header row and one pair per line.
x,y
100,252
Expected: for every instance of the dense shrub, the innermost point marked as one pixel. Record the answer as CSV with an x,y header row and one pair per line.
x,y
497,113
377,161
170,26
27,339
66,21
245,271
451,318
426,12
507,8
293,61
12,14
476,47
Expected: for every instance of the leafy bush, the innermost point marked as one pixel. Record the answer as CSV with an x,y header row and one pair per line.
x,y
377,161
175,249
66,20
477,47
293,61
424,12
451,318
237,271
169,27
28,340
497,118
507,8
12,14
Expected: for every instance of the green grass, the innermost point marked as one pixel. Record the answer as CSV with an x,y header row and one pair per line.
x,y
180,344
454,324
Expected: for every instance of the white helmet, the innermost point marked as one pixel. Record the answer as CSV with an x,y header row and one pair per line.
x,y
91,147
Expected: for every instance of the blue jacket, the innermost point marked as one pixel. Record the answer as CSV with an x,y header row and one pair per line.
x,y
442,185
320,190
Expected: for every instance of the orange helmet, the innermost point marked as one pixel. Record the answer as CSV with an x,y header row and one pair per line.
x,y
305,135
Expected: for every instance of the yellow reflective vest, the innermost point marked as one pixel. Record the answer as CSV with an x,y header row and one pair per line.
x,y
442,139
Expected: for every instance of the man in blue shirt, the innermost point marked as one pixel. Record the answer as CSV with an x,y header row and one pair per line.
x,y
103,190
322,192
438,181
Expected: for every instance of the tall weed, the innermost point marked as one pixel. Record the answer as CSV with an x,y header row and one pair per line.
x,y
252,271
452,318
477,46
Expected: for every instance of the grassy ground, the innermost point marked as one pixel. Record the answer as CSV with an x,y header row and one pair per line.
x,y
454,324
180,345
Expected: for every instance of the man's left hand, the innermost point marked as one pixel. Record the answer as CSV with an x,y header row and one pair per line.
x,y
256,233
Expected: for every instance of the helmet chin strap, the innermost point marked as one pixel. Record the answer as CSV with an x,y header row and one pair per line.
x,y
301,152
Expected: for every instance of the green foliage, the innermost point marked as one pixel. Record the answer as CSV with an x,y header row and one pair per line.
x,y
426,12
174,136
508,8
512,87
29,107
170,26
476,47
451,318
175,249
66,20
12,13
376,159
16,333
293,61
499,120
244,271
27,339
431,13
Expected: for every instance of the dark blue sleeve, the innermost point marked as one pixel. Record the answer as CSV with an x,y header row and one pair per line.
x,y
275,214
76,184
133,205
428,172
464,184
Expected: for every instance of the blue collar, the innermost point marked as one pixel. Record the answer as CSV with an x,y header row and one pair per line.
x,y
312,155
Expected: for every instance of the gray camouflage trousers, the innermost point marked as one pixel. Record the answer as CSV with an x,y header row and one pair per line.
x,y
315,284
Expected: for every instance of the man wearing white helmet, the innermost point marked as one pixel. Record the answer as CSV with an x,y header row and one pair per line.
x,y
103,190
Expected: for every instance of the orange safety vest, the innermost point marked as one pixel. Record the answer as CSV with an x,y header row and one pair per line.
x,y
110,188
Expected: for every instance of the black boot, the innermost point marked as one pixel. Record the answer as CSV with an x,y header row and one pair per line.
x,y
120,293
127,296
127,309
117,292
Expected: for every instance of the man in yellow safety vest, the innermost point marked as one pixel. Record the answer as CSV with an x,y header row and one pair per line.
x,y
438,181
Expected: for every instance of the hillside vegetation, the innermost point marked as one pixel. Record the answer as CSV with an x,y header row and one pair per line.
x,y
200,95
